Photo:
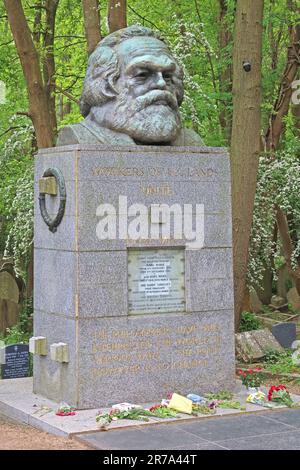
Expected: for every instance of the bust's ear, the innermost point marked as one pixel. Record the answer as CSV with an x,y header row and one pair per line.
x,y
105,71
110,89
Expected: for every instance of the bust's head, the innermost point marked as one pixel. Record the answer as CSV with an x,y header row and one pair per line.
x,y
134,85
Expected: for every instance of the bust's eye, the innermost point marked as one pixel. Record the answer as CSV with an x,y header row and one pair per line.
x,y
168,76
142,75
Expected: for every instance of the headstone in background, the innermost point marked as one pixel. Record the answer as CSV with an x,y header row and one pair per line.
x,y
9,300
296,344
264,291
294,299
252,345
285,333
277,301
283,280
266,340
9,314
247,348
255,304
15,361
8,287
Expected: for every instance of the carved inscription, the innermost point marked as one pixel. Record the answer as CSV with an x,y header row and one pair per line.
x,y
134,351
187,172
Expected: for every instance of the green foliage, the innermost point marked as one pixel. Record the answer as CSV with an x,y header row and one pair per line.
x,y
21,332
272,356
249,322
221,395
16,192
278,185
231,404
20,235
280,362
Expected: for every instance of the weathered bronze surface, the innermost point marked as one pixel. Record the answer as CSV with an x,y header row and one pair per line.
x,y
47,185
131,95
54,223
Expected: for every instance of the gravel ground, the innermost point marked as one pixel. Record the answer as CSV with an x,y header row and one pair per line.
x,y
15,436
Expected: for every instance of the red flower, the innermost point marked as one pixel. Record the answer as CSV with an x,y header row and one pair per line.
x,y
155,407
275,388
250,371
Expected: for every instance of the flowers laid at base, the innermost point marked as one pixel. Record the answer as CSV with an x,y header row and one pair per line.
x,y
169,408
279,394
138,413
260,398
65,410
252,378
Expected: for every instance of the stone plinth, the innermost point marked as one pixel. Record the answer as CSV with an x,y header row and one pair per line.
x,y
119,350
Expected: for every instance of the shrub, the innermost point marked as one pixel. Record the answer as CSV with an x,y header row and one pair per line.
x,y
249,322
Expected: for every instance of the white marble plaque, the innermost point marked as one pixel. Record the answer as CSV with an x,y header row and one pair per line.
x,y
156,281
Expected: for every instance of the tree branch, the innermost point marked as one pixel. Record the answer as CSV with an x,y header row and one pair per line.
x,y
65,93
12,128
142,17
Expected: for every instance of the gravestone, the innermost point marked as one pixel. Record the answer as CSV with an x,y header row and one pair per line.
x,y
133,244
285,333
9,301
140,316
255,304
252,345
277,301
15,361
283,280
294,299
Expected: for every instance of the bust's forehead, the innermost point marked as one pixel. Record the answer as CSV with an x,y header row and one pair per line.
x,y
133,48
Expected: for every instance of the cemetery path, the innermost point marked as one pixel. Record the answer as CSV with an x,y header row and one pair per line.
x,y
270,430
15,436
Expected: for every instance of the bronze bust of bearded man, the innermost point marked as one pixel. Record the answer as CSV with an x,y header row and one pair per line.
x,y
131,95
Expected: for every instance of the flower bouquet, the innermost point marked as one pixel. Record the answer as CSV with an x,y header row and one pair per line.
x,y
251,378
259,398
65,410
279,394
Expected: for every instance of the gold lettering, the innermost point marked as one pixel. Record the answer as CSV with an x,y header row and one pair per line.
x,y
160,190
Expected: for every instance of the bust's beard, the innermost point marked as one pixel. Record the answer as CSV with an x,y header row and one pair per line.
x,y
145,119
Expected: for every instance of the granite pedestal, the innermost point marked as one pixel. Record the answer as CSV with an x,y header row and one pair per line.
x,y
124,344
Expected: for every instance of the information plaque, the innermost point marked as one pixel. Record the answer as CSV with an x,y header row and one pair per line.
x,y
156,281
15,359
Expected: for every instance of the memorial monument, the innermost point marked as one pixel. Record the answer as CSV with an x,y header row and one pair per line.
x,y
133,243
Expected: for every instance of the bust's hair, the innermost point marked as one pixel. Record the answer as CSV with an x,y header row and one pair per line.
x,y
103,67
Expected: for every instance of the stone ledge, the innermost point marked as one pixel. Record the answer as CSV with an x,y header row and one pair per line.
x,y
18,402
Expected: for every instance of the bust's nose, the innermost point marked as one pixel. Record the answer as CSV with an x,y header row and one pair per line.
x,y
160,82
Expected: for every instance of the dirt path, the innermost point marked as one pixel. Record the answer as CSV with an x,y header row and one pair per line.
x,y
22,437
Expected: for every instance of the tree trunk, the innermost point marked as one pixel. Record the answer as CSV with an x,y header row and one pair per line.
x,y
38,106
37,25
91,14
245,139
49,61
225,78
117,15
281,107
